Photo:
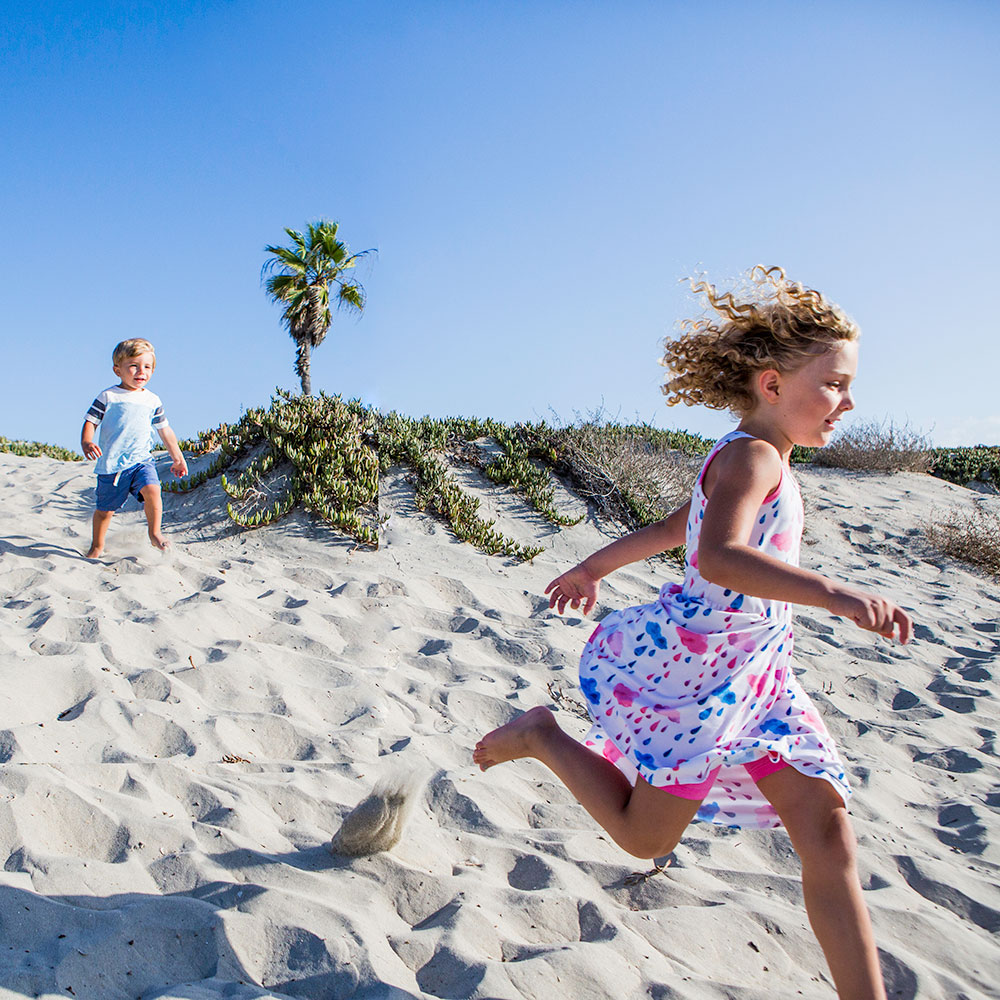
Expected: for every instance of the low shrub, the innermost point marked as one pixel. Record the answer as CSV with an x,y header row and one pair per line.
x,y
970,536
636,474
877,447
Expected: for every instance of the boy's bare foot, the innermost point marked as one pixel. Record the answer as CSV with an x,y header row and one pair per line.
x,y
519,738
158,541
94,552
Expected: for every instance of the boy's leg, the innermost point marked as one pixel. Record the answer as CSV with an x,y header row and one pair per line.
x,y
102,518
645,821
816,819
152,502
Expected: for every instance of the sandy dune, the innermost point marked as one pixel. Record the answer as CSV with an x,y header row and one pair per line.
x,y
182,734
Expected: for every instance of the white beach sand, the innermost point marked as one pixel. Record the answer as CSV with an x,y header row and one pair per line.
x,y
138,862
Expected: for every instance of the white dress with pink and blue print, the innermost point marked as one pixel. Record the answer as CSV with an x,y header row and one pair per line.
x,y
698,685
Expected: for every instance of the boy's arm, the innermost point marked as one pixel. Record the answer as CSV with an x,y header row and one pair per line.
x,y
89,447
580,584
169,438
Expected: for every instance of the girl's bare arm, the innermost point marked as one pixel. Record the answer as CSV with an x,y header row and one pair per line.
x,y
744,473
580,584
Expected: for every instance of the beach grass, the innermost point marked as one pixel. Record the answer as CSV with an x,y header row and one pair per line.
x,y
972,537
877,446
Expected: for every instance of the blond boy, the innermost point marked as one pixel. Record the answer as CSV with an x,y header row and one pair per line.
x,y
127,414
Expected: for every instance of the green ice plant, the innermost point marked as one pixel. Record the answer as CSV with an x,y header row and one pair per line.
x,y
305,277
35,449
963,465
326,455
325,447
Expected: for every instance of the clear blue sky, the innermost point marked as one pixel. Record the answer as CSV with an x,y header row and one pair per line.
x,y
536,176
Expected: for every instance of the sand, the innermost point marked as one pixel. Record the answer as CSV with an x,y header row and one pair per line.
x,y
182,734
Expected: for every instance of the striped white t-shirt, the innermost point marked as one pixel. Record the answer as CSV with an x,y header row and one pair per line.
x,y
127,419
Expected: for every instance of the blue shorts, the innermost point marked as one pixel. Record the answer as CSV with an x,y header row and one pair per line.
x,y
113,490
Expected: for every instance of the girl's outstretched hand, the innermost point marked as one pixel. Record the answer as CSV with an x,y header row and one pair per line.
x,y
876,614
576,585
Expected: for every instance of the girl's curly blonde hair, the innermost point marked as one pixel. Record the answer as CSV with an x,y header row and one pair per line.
x,y
770,323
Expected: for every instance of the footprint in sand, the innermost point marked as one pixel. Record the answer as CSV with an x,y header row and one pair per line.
x,y
530,873
9,746
956,697
948,897
434,646
975,672
52,648
960,828
951,759
151,685
927,635
905,700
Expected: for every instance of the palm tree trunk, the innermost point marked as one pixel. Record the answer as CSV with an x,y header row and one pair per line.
x,y
302,366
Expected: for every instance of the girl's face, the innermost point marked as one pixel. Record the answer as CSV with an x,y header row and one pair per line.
x,y
807,403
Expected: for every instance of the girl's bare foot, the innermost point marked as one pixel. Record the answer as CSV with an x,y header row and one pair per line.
x,y
519,738
159,542
95,551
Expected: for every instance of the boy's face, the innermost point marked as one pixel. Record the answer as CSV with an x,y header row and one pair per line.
x,y
136,372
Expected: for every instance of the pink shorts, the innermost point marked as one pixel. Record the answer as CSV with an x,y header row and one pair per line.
x,y
697,790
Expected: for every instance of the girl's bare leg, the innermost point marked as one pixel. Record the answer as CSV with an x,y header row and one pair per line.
x,y
152,502
645,821
102,519
820,830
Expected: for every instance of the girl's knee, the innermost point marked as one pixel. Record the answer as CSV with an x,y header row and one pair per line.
x,y
653,821
645,846
828,842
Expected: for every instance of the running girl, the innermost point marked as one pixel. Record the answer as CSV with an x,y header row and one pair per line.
x,y
697,712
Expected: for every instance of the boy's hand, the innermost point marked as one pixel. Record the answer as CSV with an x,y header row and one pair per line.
x,y
873,613
91,449
179,467
571,588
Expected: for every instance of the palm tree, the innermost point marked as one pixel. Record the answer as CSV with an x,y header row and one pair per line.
x,y
303,276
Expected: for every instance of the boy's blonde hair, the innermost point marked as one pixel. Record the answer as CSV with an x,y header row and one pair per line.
x,y
132,349
770,322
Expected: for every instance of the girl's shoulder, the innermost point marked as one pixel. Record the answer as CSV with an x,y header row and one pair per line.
x,y
741,458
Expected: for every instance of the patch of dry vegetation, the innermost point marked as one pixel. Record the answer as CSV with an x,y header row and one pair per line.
x,y
973,537
636,474
878,447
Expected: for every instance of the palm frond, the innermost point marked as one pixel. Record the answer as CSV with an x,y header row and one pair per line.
x,y
352,295
287,257
280,286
